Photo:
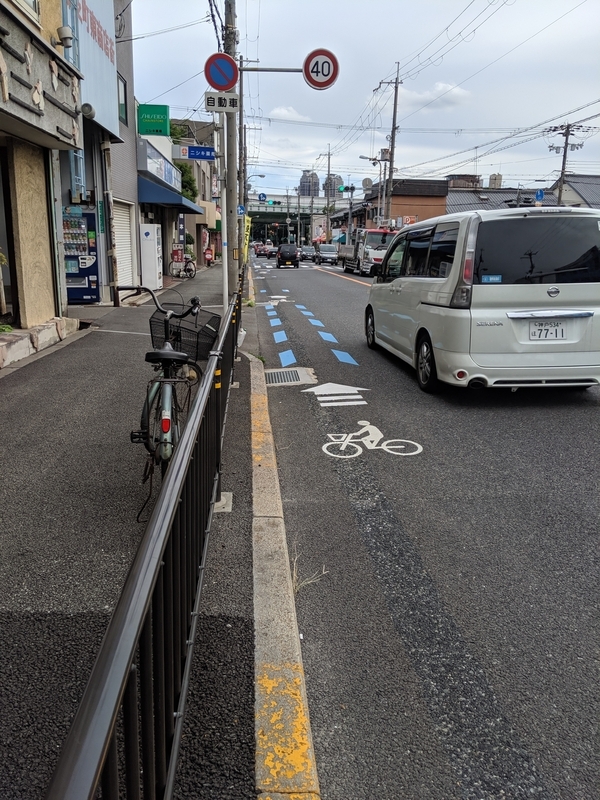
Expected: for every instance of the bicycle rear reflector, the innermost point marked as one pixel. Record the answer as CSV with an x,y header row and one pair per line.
x,y
165,421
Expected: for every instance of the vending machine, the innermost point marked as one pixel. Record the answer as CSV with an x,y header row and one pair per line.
x,y
81,256
151,256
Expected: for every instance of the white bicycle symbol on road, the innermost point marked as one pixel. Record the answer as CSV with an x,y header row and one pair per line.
x,y
348,445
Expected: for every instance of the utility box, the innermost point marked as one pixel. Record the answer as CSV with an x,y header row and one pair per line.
x,y
151,256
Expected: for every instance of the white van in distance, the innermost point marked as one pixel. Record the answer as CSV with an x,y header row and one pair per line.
x,y
507,298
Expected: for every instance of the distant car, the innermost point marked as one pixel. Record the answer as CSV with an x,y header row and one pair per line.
x,y
287,256
260,250
271,250
307,253
327,254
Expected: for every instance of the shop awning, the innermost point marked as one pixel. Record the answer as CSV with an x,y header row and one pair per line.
x,y
149,192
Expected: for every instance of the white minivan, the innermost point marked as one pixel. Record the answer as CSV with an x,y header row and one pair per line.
x,y
507,298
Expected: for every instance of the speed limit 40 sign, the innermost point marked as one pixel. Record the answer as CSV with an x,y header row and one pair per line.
x,y
320,69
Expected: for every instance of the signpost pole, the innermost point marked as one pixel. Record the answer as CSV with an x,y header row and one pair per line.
x,y
224,247
229,42
241,171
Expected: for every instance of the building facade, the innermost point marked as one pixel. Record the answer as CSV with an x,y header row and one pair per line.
x,y
39,118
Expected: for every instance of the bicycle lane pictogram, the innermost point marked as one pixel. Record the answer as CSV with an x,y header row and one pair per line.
x,y
369,437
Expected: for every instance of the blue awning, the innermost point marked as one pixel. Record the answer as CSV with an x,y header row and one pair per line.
x,y
149,192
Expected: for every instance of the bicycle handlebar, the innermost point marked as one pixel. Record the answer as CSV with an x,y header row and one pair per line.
x,y
194,307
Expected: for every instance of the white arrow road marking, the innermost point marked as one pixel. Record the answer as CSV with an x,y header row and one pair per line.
x,y
336,394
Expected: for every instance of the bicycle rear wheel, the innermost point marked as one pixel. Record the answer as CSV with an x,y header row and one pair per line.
x,y
190,269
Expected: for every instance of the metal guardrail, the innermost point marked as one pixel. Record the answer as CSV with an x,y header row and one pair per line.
x,y
125,736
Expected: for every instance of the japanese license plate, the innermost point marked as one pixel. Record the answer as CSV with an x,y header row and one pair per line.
x,y
287,263
547,329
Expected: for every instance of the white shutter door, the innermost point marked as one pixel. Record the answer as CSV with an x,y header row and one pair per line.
x,y
122,223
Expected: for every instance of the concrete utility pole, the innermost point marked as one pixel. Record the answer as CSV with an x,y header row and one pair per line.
x,y
327,191
388,210
231,222
566,131
242,170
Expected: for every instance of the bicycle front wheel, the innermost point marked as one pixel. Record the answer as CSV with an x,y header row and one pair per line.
x,y
402,447
190,269
350,449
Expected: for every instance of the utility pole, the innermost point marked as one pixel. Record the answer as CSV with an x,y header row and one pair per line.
x,y
231,224
388,190
566,131
241,171
388,210
327,191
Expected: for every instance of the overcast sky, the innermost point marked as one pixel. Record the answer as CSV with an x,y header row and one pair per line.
x,y
473,72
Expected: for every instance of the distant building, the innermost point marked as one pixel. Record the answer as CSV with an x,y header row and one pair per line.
x,y
580,191
330,186
464,181
495,181
309,184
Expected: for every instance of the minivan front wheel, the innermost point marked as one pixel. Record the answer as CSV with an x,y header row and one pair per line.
x,y
370,330
426,372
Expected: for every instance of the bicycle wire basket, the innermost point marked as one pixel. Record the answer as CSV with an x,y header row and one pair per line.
x,y
194,335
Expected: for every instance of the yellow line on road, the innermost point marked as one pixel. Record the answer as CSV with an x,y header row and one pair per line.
x,y
345,277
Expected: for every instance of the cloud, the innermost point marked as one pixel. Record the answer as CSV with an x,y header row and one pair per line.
x,y
287,112
450,96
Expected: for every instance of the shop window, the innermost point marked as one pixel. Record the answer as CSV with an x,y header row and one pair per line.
x,y
122,93
33,6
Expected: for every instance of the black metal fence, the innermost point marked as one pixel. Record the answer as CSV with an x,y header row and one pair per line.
x,y
124,740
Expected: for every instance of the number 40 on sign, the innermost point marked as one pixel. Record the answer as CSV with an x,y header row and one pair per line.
x,y
320,69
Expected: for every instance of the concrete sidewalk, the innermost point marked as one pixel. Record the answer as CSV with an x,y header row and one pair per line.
x,y
70,491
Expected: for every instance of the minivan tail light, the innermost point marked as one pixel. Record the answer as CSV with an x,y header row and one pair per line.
x,y
464,288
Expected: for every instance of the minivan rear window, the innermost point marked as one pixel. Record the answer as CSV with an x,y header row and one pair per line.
x,y
548,249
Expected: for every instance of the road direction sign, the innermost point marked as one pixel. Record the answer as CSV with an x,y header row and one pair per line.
x,y
241,211
539,195
320,69
221,72
262,197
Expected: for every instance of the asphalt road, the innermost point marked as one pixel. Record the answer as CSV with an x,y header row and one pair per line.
x,y
451,641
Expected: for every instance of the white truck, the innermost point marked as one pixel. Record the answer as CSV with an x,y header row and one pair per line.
x,y
366,249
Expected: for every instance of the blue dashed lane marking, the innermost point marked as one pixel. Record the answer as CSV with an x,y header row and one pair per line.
x,y
345,358
307,313
271,313
268,306
263,291
275,321
316,322
285,290
300,307
280,336
329,337
287,358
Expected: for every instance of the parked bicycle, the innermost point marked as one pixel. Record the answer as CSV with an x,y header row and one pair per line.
x,y
178,344
183,269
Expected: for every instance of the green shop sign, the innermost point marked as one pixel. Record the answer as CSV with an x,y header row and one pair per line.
x,y
153,120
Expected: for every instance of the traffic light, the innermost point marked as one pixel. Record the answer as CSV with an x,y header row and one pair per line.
x,y
346,189
273,202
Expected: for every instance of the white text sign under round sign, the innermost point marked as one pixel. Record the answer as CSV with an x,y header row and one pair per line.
x,y
320,69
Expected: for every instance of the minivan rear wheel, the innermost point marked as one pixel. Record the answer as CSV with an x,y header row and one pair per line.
x,y
426,371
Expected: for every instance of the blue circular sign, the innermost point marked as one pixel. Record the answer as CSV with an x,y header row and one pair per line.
x,y
221,72
539,195
262,197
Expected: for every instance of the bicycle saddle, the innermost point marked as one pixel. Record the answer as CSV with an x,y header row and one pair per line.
x,y
167,354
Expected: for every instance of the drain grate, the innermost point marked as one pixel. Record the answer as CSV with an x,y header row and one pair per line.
x,y
289,377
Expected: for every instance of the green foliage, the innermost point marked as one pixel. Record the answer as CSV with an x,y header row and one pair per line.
x,y
189,239
6,329
189,188
178,132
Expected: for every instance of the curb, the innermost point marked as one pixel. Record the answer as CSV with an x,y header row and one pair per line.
x,y
285,759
